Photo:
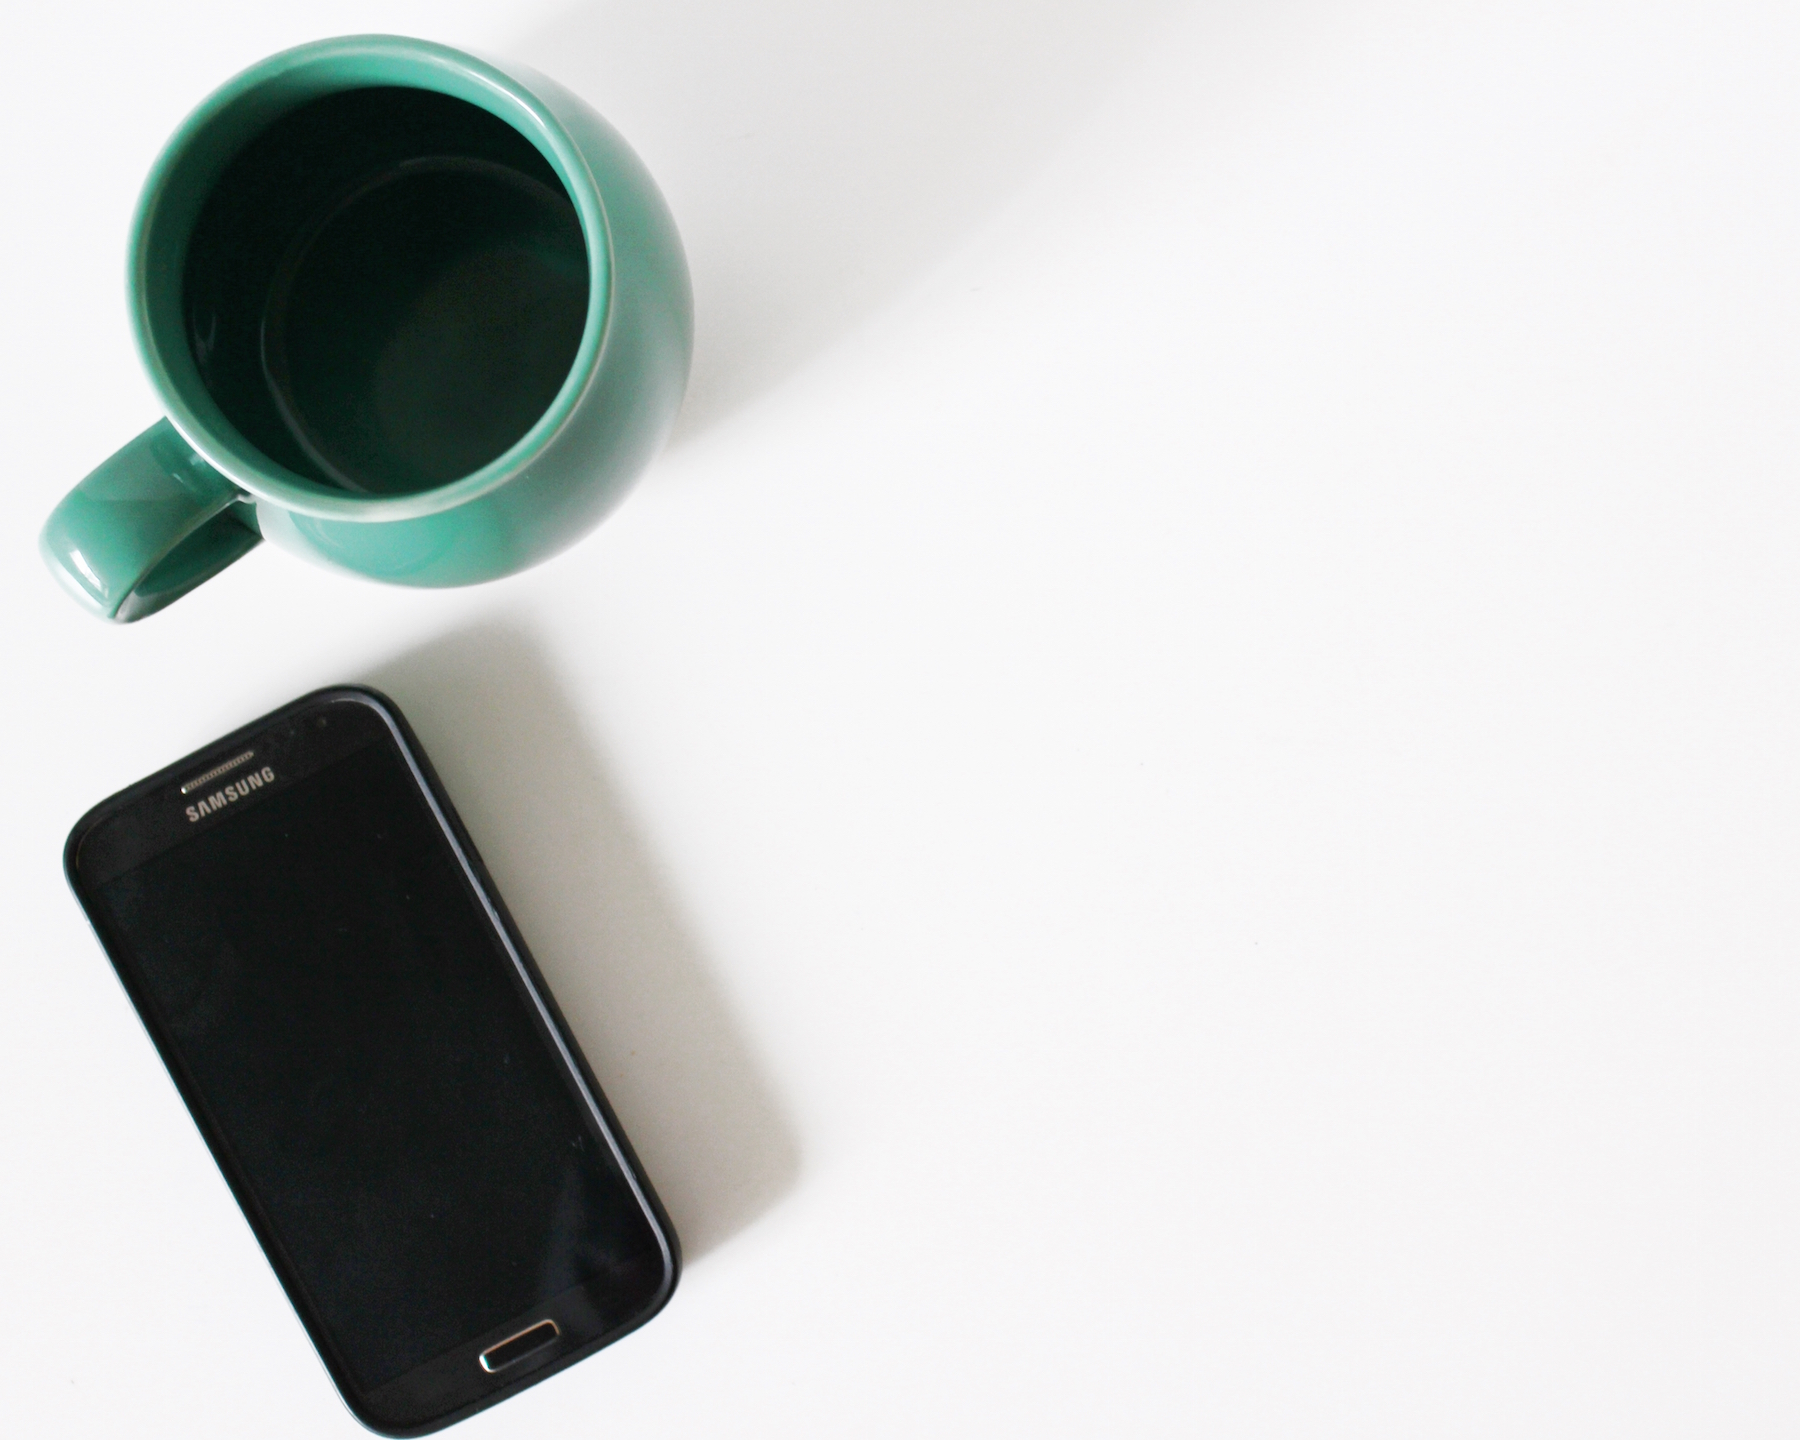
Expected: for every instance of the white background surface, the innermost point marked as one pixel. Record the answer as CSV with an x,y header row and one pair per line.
x,y
1173,813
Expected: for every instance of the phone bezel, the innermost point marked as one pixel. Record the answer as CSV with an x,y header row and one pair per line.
x,y
431,1396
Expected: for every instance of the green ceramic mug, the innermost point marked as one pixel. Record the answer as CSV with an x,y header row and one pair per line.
x,y
412,314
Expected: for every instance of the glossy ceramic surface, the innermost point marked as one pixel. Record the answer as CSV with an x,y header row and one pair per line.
x,y
290,417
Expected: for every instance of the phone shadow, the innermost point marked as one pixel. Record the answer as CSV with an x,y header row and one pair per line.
x,y
586,892
819,157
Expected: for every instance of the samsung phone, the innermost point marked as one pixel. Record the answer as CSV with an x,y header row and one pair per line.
x,y
375,1062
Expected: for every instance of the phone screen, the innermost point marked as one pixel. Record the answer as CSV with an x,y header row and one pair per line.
x,y
350,1028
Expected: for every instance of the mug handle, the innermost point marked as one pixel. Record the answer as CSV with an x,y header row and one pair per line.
x,y
145,528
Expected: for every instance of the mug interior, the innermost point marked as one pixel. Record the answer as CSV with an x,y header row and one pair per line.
x,y
361,289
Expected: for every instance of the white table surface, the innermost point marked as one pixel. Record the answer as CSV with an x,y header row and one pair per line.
x,y
1174,812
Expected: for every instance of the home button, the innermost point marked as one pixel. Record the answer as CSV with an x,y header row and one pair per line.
x,y
515,1348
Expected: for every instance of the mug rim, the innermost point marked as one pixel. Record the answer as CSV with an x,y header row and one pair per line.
x,y
212,434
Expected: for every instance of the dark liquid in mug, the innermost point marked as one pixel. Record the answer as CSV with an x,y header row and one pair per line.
x,y
386,289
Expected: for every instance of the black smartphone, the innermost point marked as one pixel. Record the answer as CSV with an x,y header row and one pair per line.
x,y
374,1060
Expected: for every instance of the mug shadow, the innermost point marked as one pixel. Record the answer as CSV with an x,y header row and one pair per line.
x,y
819,156
536,797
